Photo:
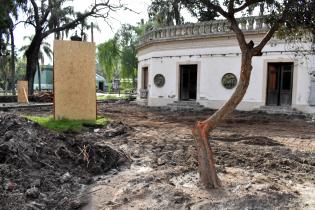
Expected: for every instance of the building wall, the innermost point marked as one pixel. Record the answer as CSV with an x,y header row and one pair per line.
x,y
46,75
165,59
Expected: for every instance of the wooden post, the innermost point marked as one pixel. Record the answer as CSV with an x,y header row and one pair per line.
x,y
22,91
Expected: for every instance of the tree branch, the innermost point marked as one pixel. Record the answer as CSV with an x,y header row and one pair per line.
x,y
25,22
216,8
271,32
238,32
94,12
36,14
268,36
230,17
231,6
47,12
246,4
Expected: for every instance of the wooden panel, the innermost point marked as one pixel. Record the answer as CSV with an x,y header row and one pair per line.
x,y
22,91
74,80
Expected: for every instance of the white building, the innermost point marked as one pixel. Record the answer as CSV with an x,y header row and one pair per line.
x,y
201,62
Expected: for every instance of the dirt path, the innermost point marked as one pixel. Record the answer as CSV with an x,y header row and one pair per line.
x,y
264,162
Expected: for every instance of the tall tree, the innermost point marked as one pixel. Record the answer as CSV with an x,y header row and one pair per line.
x,y
108,57
292,14
45,51
199,10
166,12
84,26
118,55
40,16
128,37
9,14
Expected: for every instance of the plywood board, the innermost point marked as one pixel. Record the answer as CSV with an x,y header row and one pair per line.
x,y
74,80
22,91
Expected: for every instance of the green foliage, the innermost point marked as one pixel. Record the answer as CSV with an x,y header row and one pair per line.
x,y
108,57
20,68
118,55
299,23
143,27
165,12
111,97
60,15
199,10
66,125
129,62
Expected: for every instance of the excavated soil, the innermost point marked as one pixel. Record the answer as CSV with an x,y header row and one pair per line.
x,y
40,169
263,161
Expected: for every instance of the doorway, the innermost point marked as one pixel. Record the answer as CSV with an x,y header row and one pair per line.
x,y
101,86
188,82
145,78
279,84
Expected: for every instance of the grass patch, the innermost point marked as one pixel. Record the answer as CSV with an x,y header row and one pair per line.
x,y
67,125
111,97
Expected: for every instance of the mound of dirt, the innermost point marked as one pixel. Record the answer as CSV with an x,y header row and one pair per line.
x,y
40,169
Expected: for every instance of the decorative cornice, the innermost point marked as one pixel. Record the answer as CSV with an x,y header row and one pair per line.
x,y
216,28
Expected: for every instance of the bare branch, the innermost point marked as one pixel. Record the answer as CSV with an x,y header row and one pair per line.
x,y
231,6
47,12
36,14
25,22
268,36
273,29
216,8
95,11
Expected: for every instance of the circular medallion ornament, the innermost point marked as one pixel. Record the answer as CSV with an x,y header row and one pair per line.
x,y
229,81
159,80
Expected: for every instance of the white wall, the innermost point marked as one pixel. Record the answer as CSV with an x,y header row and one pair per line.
x,y
210,91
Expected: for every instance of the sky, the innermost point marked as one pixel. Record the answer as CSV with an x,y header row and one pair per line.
x,y
120,17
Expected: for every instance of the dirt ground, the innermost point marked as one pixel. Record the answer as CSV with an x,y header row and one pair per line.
x,y
264,161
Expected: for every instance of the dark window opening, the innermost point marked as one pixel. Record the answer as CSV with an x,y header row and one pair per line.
x,y
188,82
145,78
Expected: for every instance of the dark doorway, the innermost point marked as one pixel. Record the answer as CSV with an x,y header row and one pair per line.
x,y
101,86
279,86
188,82
145,77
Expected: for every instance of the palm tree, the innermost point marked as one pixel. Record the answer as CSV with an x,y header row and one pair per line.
x,y
45,50
60,16
84,26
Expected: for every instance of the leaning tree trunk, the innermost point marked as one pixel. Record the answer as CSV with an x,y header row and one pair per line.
x,y
32,60
202,129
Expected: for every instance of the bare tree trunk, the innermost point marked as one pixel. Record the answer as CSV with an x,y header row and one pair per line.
x,y
12,76
39,79
202,129
176,7
32,60
92,32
